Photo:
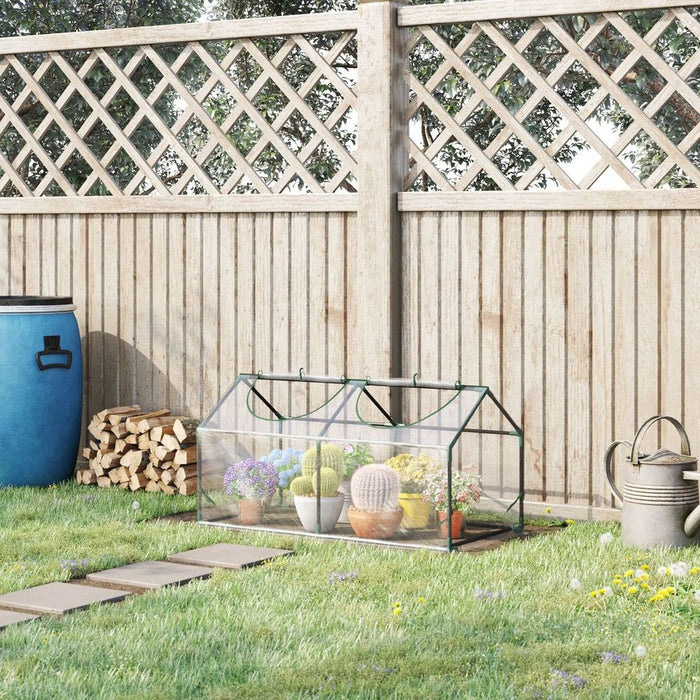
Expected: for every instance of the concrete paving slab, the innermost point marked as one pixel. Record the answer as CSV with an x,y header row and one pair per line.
x,y
150,574
8,618
229,556
59,598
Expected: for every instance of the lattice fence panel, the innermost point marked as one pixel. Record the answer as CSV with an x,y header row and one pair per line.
x,y
263,115
511,104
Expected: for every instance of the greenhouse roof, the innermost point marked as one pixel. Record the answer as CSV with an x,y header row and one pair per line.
x,y
352,410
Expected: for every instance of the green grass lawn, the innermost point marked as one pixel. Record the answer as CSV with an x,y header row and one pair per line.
x,y
344,620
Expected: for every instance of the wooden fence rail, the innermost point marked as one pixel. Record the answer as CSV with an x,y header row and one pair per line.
x,y
210,214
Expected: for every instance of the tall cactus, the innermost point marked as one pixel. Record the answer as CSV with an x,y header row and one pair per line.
x,y
375,487
332,457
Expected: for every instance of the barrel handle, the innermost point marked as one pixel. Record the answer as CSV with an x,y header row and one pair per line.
x,y
52,351
685,443
608,466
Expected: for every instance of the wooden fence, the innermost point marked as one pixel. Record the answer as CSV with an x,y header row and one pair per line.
x,y
193,257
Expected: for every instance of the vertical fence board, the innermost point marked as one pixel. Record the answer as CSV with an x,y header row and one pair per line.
x,y
47,242
5,254
512,343
110,300
691,325
193,316
127,317
32,255
578,334
671,324
17,224
299,305
143,297
95,309
211,341
318,303
602,356
555,379
533,352
281,294
159,313
177,270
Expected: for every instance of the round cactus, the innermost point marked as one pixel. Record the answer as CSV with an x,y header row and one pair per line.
x,y
301,486
329,482
375,487
332,457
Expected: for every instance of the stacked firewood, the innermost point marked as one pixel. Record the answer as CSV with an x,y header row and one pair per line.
x,y
133,449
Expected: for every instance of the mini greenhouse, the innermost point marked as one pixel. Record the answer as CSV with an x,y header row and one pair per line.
x,y
396,461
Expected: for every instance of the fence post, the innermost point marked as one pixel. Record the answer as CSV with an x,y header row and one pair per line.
x,y
374,256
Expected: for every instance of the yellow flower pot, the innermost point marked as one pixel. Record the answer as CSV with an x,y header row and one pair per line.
x,y
415,511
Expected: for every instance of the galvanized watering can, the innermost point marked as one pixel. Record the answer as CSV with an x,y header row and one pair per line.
x,y
660,503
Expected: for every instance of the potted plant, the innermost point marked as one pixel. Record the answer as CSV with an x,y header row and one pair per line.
x,y
316,496
250,481
466,491
412,472
355,456
375,513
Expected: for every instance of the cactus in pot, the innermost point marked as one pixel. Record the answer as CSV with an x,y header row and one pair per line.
x,y
332,457
375,495
315,490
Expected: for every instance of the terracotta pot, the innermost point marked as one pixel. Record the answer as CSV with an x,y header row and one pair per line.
x,y
250,511
457,522
415,511
375,525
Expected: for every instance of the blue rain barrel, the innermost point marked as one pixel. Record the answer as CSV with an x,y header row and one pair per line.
x,y
41,390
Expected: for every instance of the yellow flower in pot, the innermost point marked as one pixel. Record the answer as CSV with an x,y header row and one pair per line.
x,y
412,471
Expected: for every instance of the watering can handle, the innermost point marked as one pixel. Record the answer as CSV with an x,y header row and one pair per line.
x,y
685,443
608,466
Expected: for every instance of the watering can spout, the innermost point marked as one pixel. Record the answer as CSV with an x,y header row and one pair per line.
x,y
692,522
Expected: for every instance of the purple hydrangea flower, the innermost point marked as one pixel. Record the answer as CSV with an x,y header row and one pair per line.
x,y
251,479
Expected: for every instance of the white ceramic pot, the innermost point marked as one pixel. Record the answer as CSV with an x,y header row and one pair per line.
x,y
330,511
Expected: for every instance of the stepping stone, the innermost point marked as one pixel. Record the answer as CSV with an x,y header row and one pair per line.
x,y
150,574
8,618
59,598
229,556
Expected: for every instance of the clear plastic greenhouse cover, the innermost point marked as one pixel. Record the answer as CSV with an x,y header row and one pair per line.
x,y
286,442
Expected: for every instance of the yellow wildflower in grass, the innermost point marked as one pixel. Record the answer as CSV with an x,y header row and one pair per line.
x,y
632,590
645,567
644,586
629,573
397,610
694,570
421,599
569,521
547,510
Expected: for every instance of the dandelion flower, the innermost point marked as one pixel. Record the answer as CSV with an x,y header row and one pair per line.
x,y
397,610
640,651
632,590
663,571
606,538
421,599
135,505
694,570
575,584
679,569
569,521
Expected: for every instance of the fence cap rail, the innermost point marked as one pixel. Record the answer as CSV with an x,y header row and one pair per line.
x,y
483,10
181,33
